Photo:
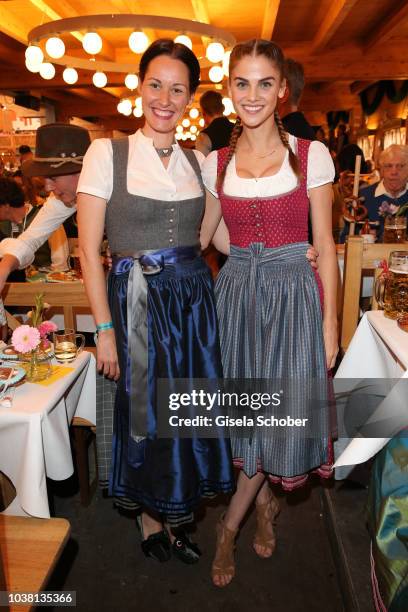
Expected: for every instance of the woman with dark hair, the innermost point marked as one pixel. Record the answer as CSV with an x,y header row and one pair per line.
x,y
263,185
158,319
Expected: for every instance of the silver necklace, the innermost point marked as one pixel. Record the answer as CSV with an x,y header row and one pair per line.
x,y
164,151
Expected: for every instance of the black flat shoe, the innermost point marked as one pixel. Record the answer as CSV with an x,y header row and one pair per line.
x,y
185,550
157,545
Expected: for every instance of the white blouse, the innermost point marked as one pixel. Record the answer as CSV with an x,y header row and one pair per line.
x,y
146,175
320,170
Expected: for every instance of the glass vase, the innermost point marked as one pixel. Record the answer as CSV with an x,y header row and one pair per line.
x,y
37,364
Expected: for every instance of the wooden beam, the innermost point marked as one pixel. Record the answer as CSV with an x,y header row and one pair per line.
x,y
269,18
338,11
358,86
53,15
388,27
201,14
13,24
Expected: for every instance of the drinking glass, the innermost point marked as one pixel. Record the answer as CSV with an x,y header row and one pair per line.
x,y
66,347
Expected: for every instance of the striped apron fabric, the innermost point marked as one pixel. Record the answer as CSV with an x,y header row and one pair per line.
x,y
275,333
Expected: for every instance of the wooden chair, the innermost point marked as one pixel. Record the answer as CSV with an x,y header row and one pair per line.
x,y
29,550
359,257
68,298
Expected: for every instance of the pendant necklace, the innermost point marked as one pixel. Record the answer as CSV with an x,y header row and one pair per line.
x,y
266,154
164,151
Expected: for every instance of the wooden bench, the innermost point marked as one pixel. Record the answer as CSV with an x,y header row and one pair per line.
x,y
29,550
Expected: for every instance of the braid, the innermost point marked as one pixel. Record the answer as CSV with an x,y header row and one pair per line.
x,y
235,134
293,159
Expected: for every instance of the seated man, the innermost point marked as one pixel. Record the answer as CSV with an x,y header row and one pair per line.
x,y
16,215
392,188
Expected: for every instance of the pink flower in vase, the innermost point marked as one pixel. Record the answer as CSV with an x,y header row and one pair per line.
x,y
387,208
45,328
25,338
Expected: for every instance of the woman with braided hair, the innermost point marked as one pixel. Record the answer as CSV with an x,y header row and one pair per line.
x,y
261,187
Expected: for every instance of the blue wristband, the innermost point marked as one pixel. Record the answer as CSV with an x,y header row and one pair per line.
x,y
104,326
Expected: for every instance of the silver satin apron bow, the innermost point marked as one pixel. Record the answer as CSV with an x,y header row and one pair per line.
x,y
137,327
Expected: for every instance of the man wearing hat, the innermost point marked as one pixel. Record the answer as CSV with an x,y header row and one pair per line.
x,y
60,149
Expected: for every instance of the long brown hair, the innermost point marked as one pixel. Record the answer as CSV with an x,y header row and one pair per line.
x,y
273,53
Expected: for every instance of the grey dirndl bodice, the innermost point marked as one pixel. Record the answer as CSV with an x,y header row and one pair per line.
x,y
135,223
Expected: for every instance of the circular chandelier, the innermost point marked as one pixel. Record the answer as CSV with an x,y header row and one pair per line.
x,y
42,60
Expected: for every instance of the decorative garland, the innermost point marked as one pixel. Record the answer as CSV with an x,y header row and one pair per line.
x,y
334,118
376,93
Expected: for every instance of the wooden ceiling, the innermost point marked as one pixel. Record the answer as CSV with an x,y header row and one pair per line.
x,y
344,45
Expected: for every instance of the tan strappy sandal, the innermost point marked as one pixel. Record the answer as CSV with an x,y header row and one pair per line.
x,y
224,564
266,515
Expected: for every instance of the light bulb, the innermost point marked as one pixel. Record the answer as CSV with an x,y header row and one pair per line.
x,y
120,107
131,81
215,52
179,129
178,136
47,71
55,47
34,55
194,113
127,111
92,43
185,123
228,106
138,42
32,67
138,102
70,76
193,137
225,62
127,106
188,134
201,122
193,129
137,112
182,39
99,79
216,74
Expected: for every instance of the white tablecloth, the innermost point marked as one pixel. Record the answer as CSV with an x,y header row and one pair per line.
x,y
379,349
34,434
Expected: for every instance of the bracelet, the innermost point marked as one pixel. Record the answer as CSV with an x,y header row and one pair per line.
x,y
104,326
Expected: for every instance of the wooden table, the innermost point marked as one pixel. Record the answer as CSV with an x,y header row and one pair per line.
x,y
29,549
66,296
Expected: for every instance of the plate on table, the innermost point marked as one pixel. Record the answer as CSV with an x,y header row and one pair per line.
x,y
63,277
9,353
11,375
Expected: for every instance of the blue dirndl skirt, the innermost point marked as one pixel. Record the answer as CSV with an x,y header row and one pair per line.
x,y
169,476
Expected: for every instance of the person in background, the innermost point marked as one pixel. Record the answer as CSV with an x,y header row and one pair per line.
x,y
25,153
218,128
66,145
392,189
293,119
342,137
321,136
16,214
